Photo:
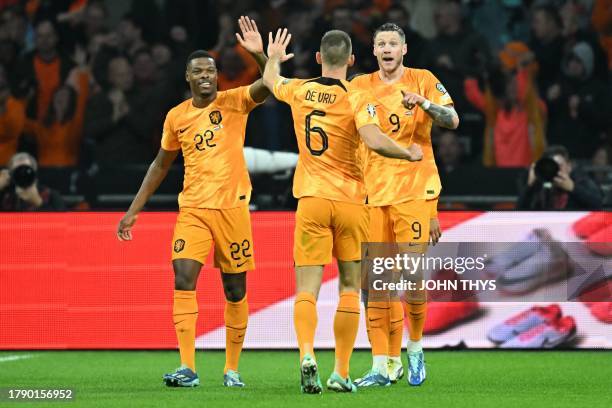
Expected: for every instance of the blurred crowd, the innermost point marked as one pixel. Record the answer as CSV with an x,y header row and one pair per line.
x,y
82,85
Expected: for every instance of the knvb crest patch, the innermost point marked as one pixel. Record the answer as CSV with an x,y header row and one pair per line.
x,y
441,88
215,117
179,244
371,109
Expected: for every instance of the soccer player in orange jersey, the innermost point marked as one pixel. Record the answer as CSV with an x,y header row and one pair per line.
x,y
209,129
402,198
331,218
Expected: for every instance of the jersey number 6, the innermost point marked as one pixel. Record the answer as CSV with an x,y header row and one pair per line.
x,y
316,129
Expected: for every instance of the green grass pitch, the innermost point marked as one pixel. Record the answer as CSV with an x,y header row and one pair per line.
x,y
455,379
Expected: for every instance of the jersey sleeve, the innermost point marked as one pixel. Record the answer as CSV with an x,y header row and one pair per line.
x,y
284,89
364,109
435,91
169,140
239,99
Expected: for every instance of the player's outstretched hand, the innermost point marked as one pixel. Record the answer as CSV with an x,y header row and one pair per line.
x,y
415,151
277,46
124,231
435,232
250,39
410,99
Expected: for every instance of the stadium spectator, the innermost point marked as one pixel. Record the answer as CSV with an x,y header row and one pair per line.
x,y
514,113
573,16
150,19
499,21
234,71
417,45
579,105
15,28
345,19
162,55
129,32
547,44
236,67
449,152
602,23
145,69
303,44
41,72
58,135
8,55
86,22
570,189
198,20
118,119
602,158
12,120
455,52
20,190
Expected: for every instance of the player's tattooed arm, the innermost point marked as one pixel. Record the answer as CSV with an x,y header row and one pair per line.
x,y
443,116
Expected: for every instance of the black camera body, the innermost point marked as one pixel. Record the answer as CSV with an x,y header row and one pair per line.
x,y
546,169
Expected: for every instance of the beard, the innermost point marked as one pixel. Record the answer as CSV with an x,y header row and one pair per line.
x,y
395,65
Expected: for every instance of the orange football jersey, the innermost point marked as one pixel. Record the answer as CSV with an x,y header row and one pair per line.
x,y
212,141
391,181
326,115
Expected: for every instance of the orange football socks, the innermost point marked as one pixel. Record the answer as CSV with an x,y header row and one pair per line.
x,y
378,319
416,319
236,319
305,322
396,329
184,316
346,324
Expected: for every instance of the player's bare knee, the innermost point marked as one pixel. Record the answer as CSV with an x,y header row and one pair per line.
x,y
184,281
348,283
350,276
186,273
234,294
234,286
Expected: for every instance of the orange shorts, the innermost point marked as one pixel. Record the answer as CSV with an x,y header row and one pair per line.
x,y
230,229
403,222
326,228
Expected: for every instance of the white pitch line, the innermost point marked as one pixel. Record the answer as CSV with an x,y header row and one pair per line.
x,y
15,357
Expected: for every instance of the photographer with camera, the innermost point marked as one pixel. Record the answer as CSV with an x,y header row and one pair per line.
x,y
552,184
19,188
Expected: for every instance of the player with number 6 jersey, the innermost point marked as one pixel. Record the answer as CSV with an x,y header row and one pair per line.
x,y
209,129
329,120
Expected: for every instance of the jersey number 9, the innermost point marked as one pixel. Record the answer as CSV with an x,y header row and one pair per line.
x,y
395,121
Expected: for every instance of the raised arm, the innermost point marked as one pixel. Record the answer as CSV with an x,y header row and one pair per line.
x,y
250,39
382,144
277,48
155,175
443,116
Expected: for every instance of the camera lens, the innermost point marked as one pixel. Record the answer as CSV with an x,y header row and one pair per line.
x,y
24,176
546,169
